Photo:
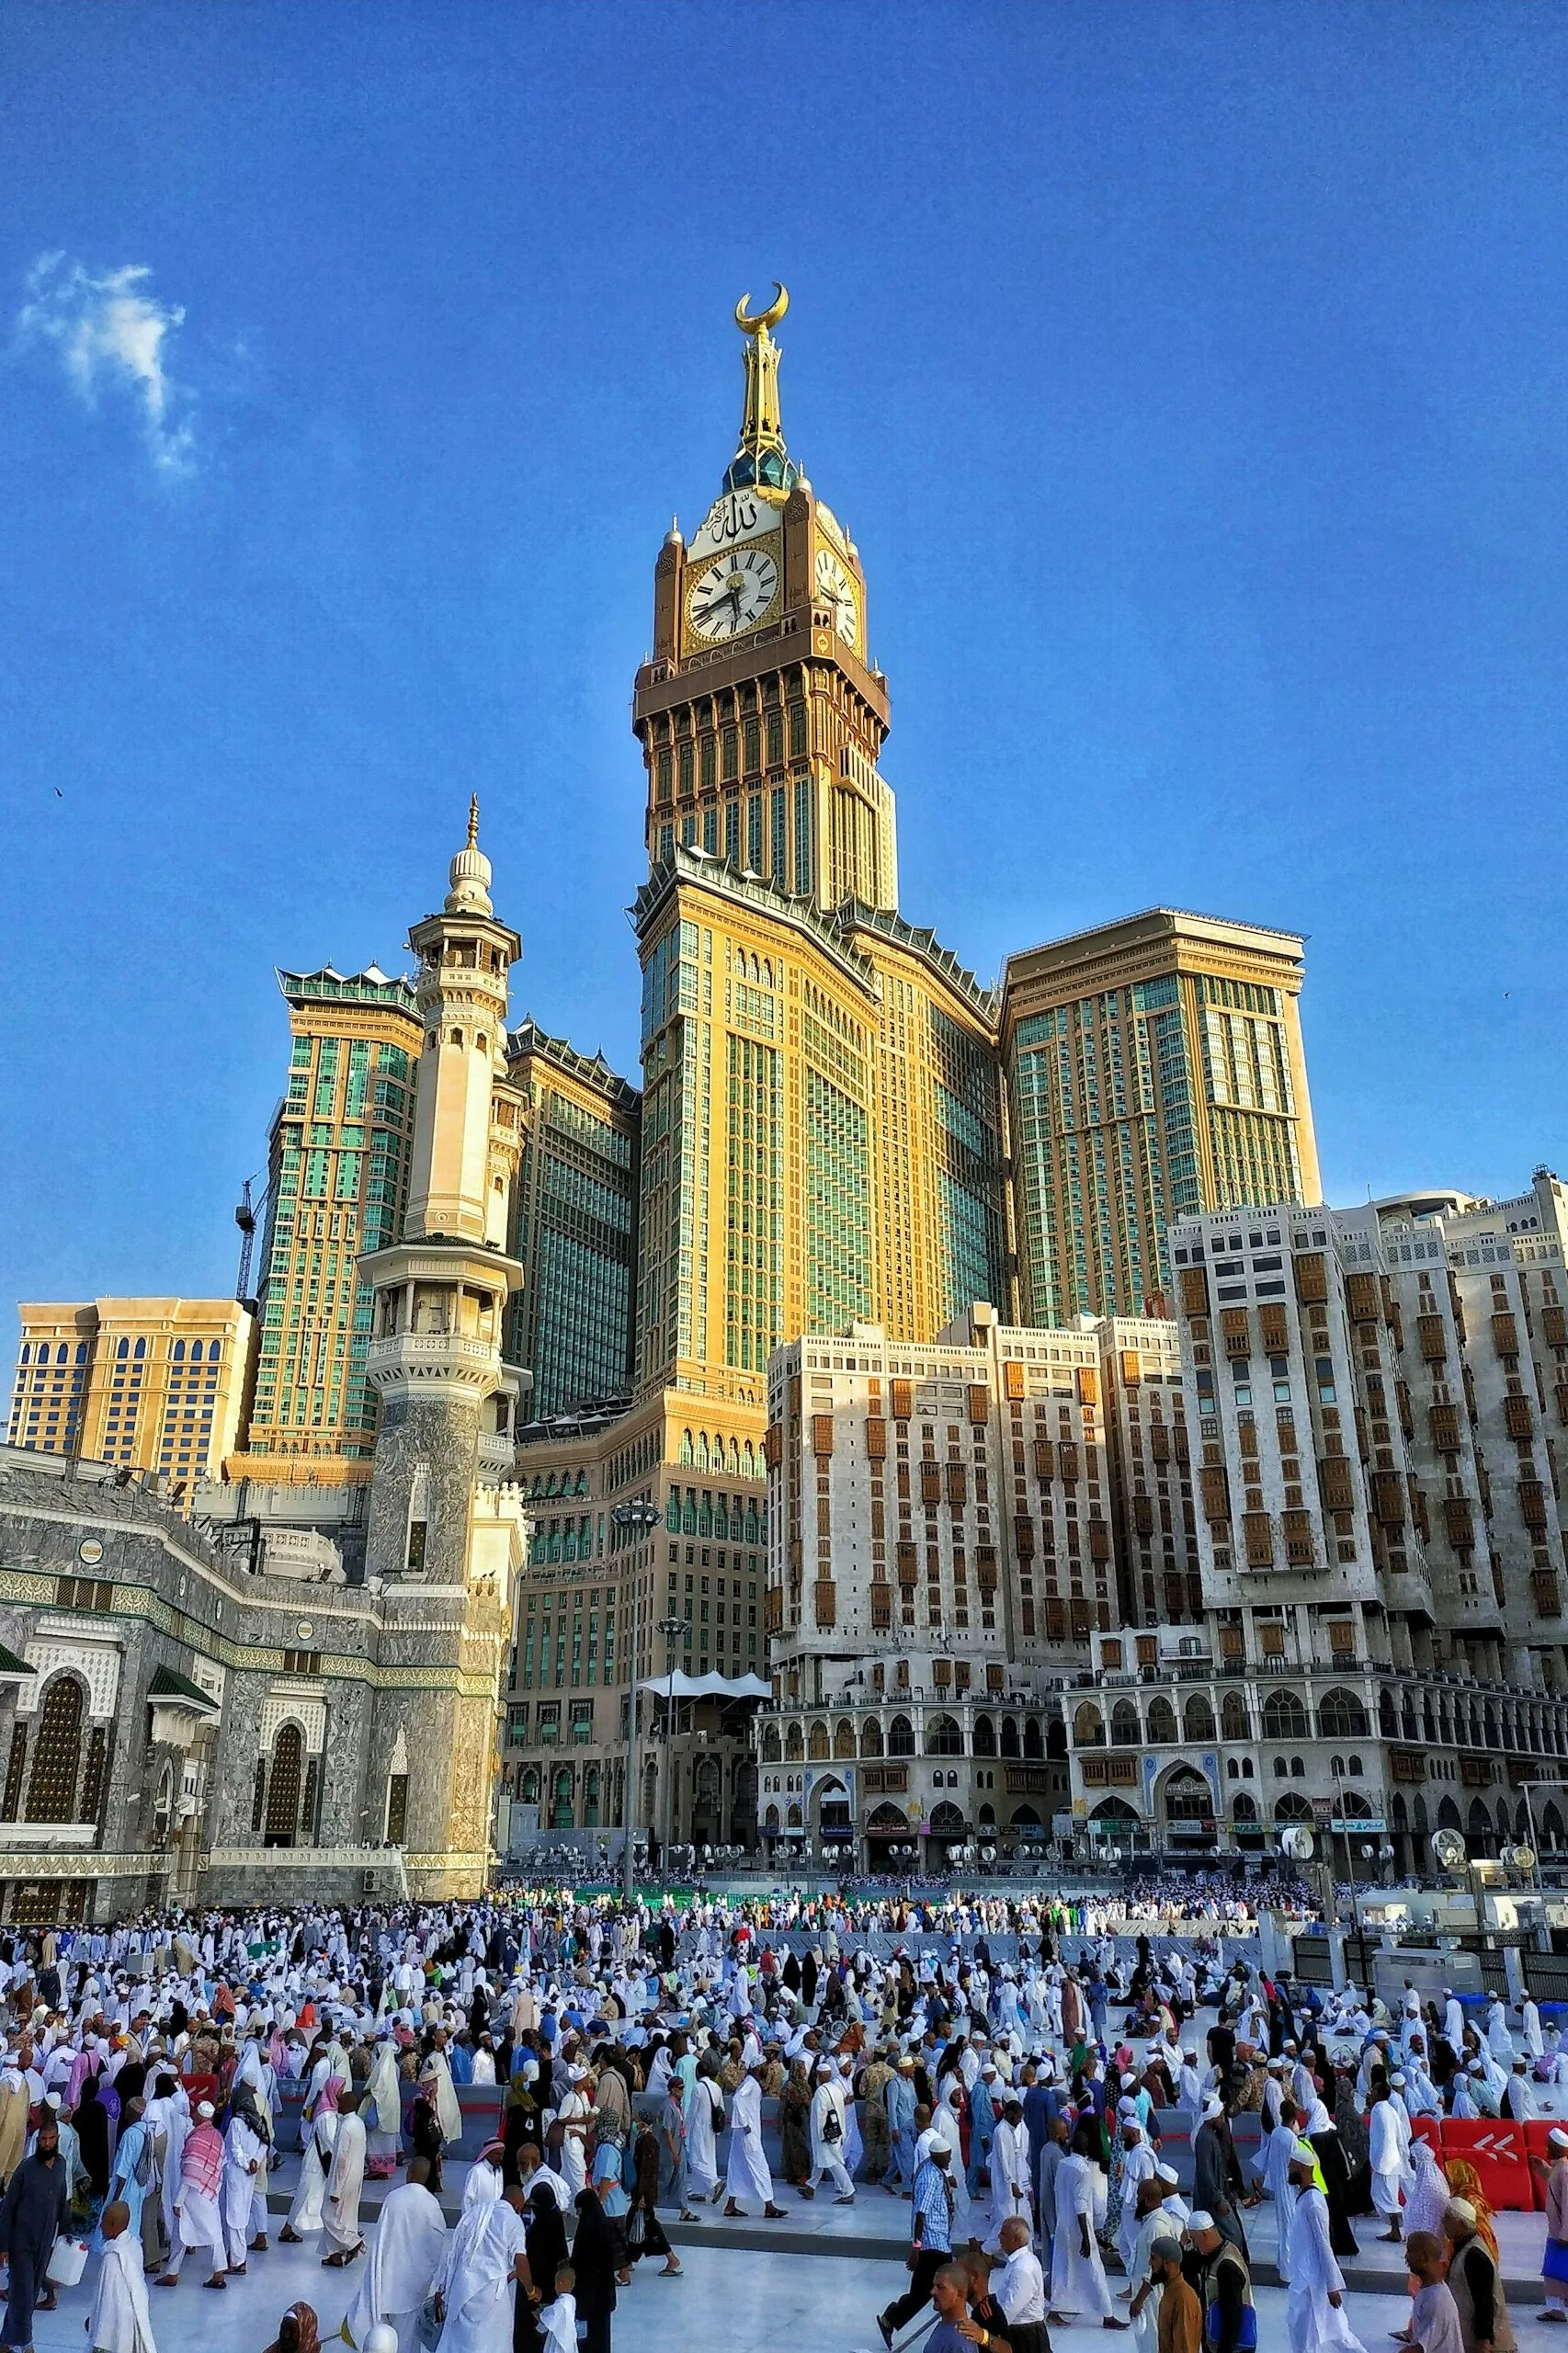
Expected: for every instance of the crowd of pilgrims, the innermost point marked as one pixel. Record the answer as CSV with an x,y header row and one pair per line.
x,y
144,2072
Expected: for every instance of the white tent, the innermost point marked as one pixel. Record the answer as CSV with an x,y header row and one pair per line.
x,y
707,1687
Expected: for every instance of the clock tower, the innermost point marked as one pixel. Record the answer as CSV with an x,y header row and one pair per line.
x,y
761,715
821,1095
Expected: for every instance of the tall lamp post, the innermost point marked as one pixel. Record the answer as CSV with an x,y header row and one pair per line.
x,y
635,1521
671,1628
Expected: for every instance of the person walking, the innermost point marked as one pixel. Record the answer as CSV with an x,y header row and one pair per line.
x,y
1217,2270
197,2213
32,2214
930,2232
119,2321
340,2207
1314,2307
1553,2172
1476,2284
1179,2326
747,2175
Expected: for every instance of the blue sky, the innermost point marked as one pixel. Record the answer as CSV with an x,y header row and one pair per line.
x,y
1192,378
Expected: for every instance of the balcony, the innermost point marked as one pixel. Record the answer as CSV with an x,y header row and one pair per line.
x,y
432,1353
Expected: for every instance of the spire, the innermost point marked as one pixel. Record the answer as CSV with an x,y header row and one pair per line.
x,y
470,873
760,462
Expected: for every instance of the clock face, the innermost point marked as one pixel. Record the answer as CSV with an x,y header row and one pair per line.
x,y
734,594
836,587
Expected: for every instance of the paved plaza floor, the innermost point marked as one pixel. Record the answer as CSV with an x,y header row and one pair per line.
x,y
731,2300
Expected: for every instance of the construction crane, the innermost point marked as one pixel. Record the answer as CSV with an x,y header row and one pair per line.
x,y
245,1218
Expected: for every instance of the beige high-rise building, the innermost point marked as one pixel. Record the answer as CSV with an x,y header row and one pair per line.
x,y
151,1385
1154,1069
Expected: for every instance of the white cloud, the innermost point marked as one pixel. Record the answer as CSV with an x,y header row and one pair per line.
x,y
110,333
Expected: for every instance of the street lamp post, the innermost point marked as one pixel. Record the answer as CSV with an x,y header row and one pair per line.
x,y
636,1520
671,1628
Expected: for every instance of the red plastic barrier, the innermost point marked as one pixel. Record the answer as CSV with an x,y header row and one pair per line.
x,y
1496,2149
1536,2145
1428,2128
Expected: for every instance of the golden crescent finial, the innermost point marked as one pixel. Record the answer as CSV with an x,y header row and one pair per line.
x,y
769,318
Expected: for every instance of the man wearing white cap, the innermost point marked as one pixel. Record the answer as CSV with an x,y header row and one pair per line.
x,y
1010,2171
197,2216
1554,2262
1138,2163
1385,2149
829,2131
930,2232
1314,2306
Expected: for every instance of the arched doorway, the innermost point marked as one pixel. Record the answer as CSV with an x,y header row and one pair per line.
x,y
57,1753
1187,1803
284,1785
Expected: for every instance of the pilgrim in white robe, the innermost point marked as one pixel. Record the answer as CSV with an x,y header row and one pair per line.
x,y
1314,2324
748,2174
1282,2149
1385,2146
702,2149
1009,2178
1137,2164
478,2295
244,2165
383,2111
827,2136
120,2322
321,2139
340,2207
405,2256
1077,2280
200,2220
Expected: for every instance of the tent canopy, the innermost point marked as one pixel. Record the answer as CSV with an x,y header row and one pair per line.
x,y
707,1687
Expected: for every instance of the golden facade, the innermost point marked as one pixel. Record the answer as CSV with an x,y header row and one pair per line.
x,y
823,1129
1154,1069
156,1386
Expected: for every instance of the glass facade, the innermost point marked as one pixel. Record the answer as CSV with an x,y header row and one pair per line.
x,y
338,1183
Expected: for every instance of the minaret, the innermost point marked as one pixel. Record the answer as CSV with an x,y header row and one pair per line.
x,y
440,1291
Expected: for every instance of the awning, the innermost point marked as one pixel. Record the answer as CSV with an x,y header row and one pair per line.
x,y
11,1664
707,1687
168,1684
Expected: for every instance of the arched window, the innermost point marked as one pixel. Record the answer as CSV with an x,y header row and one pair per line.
x,y
1162,1724
1284,1717
947,1821
57,1753
1088,1726
140,1349
591,1798
177,1351
1341,1716
817,1742
560,1811
283,1788
1009,1737
772,1747
870,1737
1197,1720
943,1737
1243,1808
529,1788
901,1738
1234,1721
1298,1770
1034,1742
844,1738
1292,1807
1187,1798
794,1743
985,1736
1125,1729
